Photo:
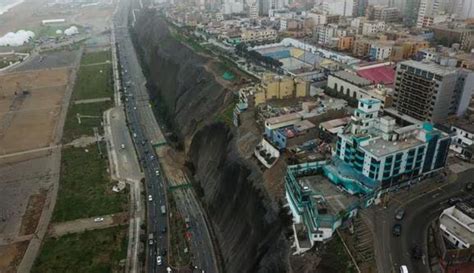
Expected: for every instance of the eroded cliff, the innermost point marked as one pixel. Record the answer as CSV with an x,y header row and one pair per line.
x,y
245,220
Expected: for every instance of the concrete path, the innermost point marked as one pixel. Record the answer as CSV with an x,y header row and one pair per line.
x,y
84,224
53,147
92,100
124,167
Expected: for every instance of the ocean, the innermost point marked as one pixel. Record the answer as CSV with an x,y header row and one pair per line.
x,y
5,5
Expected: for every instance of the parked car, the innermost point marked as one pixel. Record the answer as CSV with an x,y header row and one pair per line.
x,y
397,230
399,214
150,198
159,260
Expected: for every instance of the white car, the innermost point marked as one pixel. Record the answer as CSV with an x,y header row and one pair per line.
x,y
150,198
98,219
157,173
159,260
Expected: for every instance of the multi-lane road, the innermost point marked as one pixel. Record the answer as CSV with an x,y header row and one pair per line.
x,y
146,135
145,132
422,204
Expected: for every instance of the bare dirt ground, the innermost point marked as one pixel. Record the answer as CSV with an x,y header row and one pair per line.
x,y
30,102
10,256
172,165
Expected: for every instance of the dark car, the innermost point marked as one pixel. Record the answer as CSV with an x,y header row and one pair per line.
x,y
416,252
163,252
397,230
453,201
469,186
163,229
399,214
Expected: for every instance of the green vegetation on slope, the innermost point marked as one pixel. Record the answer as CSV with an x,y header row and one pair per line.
x,y
97,251
85,189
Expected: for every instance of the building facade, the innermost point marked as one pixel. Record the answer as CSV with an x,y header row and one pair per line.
x,y
430,92
456,224
388,150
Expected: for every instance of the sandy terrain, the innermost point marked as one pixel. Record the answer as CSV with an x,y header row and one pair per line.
x,y
27,120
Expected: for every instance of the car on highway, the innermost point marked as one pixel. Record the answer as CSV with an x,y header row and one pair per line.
x,y
403,269
157,173
454,200
98,219
134,108
469,186
122,146
163,252
397,230
152,157
400,213
416,252
163,210
150,198
159,260
150,239
163,230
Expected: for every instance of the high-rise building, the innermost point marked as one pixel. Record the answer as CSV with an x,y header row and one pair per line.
x,y
463,9
338,7
429,91
359,7
410,14
427,11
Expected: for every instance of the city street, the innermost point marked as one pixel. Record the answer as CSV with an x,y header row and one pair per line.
x,y
422,204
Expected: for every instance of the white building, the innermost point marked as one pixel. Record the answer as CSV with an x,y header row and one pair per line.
x,y
463,9
457,224
231,6
463,138
351,85
390,149
372,27
338,7
318,18
325,33
380,51
429,9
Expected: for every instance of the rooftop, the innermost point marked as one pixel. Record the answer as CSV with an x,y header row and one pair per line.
x,y
380,147
464,124
283,118
430,67
377,75
331,198
352,78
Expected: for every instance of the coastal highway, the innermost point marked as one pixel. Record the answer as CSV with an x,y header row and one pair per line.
x,y
147,134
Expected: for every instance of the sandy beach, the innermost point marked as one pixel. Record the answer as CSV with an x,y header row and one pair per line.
x,y
5,8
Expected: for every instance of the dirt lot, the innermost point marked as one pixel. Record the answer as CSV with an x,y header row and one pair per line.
x,y
27,120
10,256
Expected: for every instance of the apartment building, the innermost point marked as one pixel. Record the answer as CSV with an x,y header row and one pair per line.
x,y
380,51
383,13
447,34
431,92
280,87
390,149
258,35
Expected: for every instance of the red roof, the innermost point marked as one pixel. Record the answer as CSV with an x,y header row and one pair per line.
x,y
381,74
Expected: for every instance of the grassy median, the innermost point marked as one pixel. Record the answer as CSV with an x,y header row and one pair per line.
x,y
85,188
94,81
96,57
96,251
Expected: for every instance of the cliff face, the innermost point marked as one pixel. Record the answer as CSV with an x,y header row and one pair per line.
x,y
245,221
178,76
